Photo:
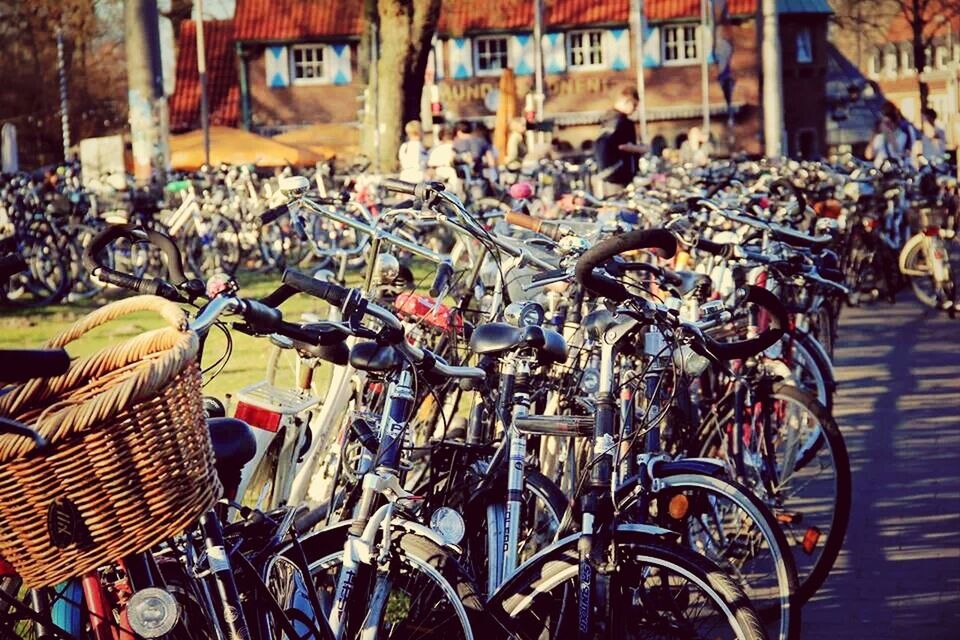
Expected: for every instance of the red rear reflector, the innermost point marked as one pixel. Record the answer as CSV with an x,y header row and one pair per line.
x,y
258,417
931,232
810,539
6,569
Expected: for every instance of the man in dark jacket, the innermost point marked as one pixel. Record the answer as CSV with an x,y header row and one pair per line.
x,y
616,148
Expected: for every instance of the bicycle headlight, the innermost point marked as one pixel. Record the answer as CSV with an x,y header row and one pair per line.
x,y
448,524
152,612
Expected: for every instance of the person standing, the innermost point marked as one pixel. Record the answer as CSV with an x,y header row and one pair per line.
x,y
932,143
696,149
616,149
413,155
889,143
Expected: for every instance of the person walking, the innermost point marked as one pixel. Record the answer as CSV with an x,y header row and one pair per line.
x,y
616,149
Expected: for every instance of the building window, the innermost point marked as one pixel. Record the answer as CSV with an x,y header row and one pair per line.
x,y
585,49
680,44
804,46
890,62
906,61
491,55
308,66
940,57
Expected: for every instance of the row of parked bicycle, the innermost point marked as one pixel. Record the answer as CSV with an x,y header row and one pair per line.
x,y
615,421
897,223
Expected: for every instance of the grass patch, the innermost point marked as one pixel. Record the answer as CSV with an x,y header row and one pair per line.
x,y
31,328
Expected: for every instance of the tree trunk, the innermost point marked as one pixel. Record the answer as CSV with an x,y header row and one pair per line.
x,y
406,30
919,52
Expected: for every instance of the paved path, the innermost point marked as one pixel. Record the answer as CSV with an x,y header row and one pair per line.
x,y
898,576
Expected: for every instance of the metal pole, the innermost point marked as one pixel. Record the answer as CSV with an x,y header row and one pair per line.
x,y
772,82
64,104
538,62
202,68
704,68
638,23
375,94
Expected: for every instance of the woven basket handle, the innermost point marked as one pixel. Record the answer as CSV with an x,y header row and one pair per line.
x,y
170,312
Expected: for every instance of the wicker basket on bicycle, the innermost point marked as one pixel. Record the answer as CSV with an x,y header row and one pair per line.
x,y
128,461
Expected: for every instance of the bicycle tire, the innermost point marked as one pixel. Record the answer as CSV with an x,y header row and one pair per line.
x,y
787,613
525,603
324,549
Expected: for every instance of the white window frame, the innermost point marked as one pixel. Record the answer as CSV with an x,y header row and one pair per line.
x,y
906,61
680,32
891,54
476,55
804,41
323,78
584,34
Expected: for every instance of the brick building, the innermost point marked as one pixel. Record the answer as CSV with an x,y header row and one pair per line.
x,y
296,63
890,64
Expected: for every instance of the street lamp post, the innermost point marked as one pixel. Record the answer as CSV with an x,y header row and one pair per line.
x,y
202,68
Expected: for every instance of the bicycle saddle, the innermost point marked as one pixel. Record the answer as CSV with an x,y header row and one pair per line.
x,y
370,356
497,338
333,350
234,445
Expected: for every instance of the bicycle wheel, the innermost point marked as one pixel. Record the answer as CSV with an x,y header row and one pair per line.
x,y
429,594
726,523
540,515
922,271
216,250
809,367
657,590
802,473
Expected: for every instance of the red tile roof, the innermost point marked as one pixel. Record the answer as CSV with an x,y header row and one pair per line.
x,y
673,9
292,19
223,91
935,19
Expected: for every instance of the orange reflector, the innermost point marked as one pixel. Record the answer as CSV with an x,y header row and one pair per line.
x,y
810,539
785,517
679,505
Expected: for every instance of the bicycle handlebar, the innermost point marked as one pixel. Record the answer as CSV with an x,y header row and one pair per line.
x,y
743,349
612,246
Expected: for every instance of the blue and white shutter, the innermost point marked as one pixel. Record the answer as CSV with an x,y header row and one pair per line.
x,y
341,71
522,54
651,46
461,58
554,53
277,67
616,49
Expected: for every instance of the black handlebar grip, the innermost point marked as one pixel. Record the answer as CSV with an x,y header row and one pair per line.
x,y
399,186
332,293
606,249
10,265
299,333
442,279
270,215
25,364
260,316
717,249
